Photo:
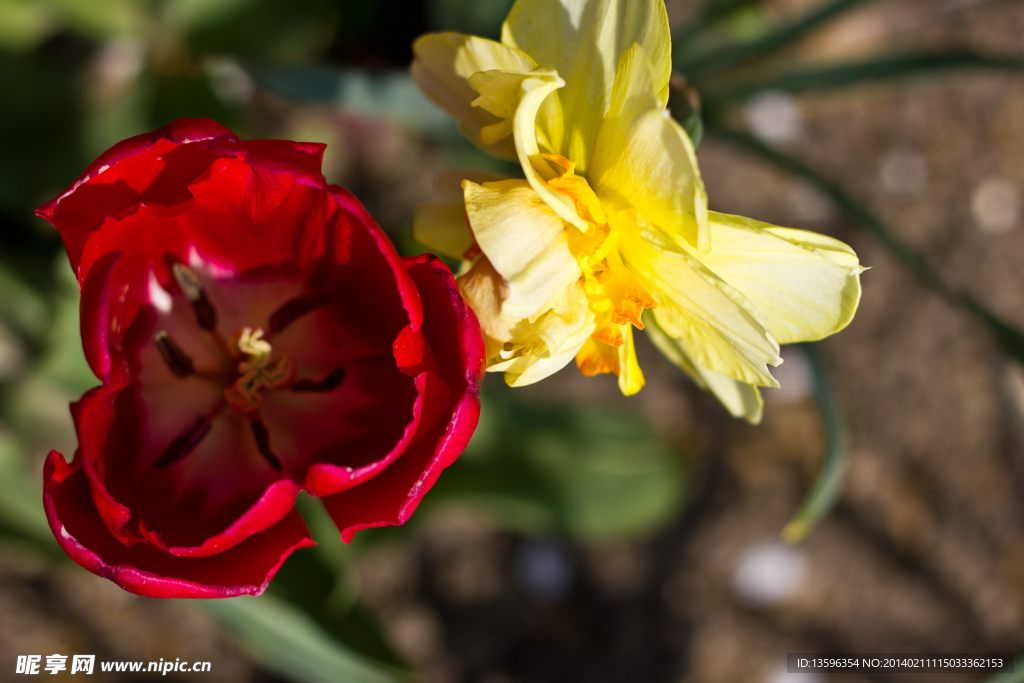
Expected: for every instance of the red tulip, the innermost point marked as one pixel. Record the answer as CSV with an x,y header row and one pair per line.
x,y
256,335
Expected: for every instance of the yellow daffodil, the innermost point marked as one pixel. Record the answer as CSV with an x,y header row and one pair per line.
x,y
609,228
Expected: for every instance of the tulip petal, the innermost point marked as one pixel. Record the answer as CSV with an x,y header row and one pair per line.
x,y
444,63
806,286
245,569
525,241
125,175
391,496
717,324
643,158
451,328
583,40
739,398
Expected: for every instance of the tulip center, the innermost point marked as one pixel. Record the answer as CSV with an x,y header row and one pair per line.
x,y
246,366
256,370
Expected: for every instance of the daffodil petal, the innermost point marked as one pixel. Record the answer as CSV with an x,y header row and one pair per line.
x,y
445,61
485,290
564,329
595,358
739,398
720,327
524,94
631,379
442,226
448,183
583,40
806,286
524,240
644,159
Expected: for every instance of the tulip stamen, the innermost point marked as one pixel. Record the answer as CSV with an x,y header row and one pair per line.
x,y
259,430
296,308
176,359
256,370
332,381
185,442
192,288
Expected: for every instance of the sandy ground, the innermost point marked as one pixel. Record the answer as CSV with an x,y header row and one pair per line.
x,y
925,550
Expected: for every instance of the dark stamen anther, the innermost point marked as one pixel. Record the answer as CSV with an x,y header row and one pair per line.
x,y
178,362
296,308
185,443
206,314
332,381
259,430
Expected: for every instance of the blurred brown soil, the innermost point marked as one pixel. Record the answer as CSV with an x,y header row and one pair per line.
x,y
925,550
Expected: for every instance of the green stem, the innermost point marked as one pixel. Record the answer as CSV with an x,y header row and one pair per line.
x,y
702,66
826,488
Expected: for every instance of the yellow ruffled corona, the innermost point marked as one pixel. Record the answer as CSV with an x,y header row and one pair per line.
x,y
609,228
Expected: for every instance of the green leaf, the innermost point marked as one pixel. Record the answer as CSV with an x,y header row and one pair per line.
x,y
21,509
1010,338
826,488
22,307
316,581
698,67
712,12
290,643
23,24
581,472
97,19
195,14
63,362
843,75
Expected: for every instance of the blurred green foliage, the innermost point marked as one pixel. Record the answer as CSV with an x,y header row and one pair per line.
x,y
583,473
76,76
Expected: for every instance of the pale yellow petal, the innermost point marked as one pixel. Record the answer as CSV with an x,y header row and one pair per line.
x,y
583,40
524,94
563,330
485,290
718,325
644,159
806,286
445,61
448,183
740,399
524,240
442,228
